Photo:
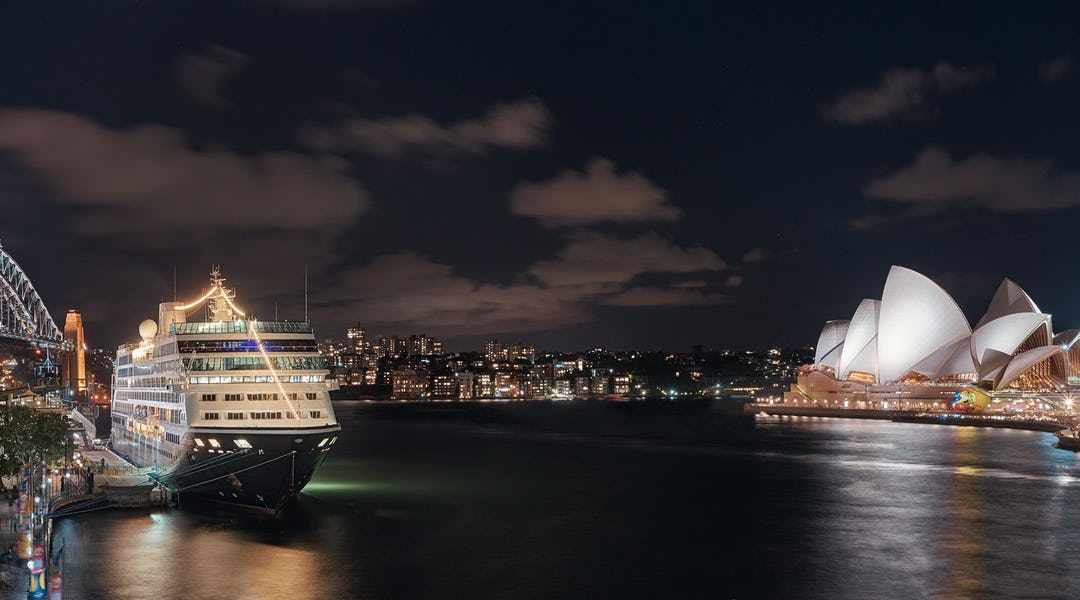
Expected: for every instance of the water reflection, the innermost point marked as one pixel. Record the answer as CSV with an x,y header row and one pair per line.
x,y
616,503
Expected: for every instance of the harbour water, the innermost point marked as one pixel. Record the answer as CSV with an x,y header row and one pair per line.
x,y
607,500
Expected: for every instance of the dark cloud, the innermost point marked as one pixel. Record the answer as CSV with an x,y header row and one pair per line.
x,y
600,194
902,92
733,281
406,290
598,258
754,255
202,75
149,181
666,297
516,125
1056,69
1009,185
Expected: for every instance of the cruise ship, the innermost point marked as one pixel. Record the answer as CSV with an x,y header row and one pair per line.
x,y
226,407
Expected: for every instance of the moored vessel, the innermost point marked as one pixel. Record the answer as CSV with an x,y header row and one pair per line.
x,y
227,408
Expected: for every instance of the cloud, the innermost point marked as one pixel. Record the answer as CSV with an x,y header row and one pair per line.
x,y
754,255
149,181
1009,185
1056,69
653,296
902,92
406,289
733,281
202,75
521,124
597,258
600,194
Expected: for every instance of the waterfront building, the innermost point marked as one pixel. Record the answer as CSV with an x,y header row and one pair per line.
x,y
915,348
620,384
582,385
563,388
444,386
484,386
409,383
465,384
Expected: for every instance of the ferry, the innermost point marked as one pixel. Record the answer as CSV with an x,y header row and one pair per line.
x,y
225,408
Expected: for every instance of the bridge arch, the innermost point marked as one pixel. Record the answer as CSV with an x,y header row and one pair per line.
x,y
23,315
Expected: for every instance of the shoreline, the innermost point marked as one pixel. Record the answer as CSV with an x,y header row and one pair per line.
x,y
916,417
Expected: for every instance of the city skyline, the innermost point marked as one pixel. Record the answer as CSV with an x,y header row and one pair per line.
x,y
606,175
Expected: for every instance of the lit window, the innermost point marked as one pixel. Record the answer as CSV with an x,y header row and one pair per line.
x,y
199,443
242,443
323,442
333,440
214,443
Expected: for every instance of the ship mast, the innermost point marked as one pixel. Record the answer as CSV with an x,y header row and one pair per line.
x,y
219,307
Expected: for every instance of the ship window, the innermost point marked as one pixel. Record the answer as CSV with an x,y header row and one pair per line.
x,y
242,443
234,416
311,395
211,416
199,443
333,440
209,397
316,414
214,443
323,442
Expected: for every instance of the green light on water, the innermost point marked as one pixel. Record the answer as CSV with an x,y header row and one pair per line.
x,y
339,486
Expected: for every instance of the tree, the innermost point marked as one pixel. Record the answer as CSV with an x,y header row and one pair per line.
x,y
27,435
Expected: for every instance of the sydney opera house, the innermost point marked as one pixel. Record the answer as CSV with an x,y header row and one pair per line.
x,y
914,349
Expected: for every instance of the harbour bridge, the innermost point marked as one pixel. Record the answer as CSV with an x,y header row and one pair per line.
x,y
24,319
28,334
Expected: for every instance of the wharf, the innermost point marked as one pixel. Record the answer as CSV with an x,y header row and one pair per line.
x,y
956,419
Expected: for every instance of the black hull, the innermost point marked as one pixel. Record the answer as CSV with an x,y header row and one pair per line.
x,y
265,477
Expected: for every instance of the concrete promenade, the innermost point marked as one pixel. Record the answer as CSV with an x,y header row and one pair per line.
x,y
975,419
17,575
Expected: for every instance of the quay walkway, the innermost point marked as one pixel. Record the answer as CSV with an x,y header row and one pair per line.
x,y
1051,423
14,575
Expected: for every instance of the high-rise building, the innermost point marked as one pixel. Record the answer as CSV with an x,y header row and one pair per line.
x,y
494,351
356,338
74,368
396,346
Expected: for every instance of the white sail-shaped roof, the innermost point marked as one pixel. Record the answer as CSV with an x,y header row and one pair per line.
x,y
1008,299
832,359
1024,361
832,335
953,359
917,319
1067,338
993,344
860,344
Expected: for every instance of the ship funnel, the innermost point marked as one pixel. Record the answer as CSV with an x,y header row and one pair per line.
x,y
169,313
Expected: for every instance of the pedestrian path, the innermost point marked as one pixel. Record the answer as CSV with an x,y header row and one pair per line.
x,y
17,575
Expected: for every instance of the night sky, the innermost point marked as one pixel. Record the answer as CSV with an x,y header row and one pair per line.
x,y
571,174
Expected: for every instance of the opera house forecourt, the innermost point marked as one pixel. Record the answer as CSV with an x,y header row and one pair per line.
x,y
914,349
